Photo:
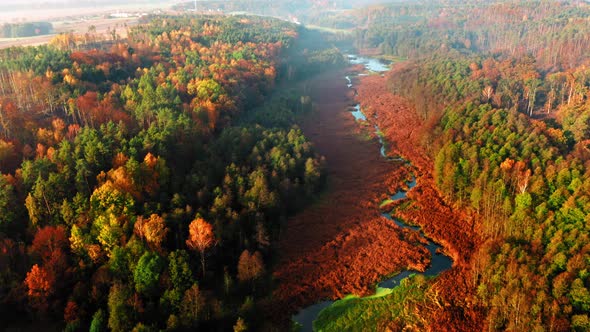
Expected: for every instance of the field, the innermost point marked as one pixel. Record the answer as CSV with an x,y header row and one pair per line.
x,y
102,25
77,20
57,14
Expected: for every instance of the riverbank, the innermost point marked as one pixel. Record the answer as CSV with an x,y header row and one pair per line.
x,y
343,244
404,130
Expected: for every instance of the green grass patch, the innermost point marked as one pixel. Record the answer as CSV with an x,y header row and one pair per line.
x,y
327,29
380,292
364,134
404,206
392,58
385,202
397,305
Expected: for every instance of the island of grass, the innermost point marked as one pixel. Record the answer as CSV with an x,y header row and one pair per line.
x,y
388,307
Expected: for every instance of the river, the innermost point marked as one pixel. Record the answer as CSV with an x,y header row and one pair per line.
x,y
439,262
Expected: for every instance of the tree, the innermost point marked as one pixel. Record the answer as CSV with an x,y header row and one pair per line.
x,y
260,196
119,263
71,312
580,323
153,230
262,238
77,241
147,273
6,154
201,238
580,296
107,198
110,231
240,325
180,271
250,266
193,303
40,287
170,301
49,240
7,205
487,93
312,176
140,327
120,315
98,323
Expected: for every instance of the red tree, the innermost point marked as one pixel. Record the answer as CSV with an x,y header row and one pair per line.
x,y
39,287
48,240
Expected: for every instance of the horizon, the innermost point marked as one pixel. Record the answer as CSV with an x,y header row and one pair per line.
x,y
15,11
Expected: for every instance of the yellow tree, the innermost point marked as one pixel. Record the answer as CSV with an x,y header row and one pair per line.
x,y
200,238
153,230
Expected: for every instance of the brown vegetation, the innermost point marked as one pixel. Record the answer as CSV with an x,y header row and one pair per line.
x,y
404,130
342,244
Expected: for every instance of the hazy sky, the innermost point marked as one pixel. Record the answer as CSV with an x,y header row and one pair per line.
x,y
73,3
36,2
35,10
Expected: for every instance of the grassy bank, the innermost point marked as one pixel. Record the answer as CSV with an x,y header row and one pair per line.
x,y
388,307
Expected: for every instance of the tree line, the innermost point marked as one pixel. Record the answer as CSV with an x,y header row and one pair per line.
x,y
27,29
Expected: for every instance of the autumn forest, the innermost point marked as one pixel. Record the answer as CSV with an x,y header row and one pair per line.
x,y
204,171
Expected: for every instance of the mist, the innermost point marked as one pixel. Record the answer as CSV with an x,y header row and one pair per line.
x,y
48,10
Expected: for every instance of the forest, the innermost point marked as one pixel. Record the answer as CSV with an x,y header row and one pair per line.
x,y
149,182
143,181
503,93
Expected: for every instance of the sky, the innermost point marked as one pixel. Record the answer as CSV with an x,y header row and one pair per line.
x,y
12,11
73,3
37,2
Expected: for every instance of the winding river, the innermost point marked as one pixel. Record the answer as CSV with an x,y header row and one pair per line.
x,y
439,262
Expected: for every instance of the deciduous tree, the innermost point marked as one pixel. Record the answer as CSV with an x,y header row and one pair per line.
x,y
201,238
147,273
40,286
250,266
193,304
153,230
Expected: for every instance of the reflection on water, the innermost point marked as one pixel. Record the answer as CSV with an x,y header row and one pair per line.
x,y
358,114
306,316
370,64
438,262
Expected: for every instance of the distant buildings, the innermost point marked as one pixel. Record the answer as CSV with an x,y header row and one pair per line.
x,y
127,15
